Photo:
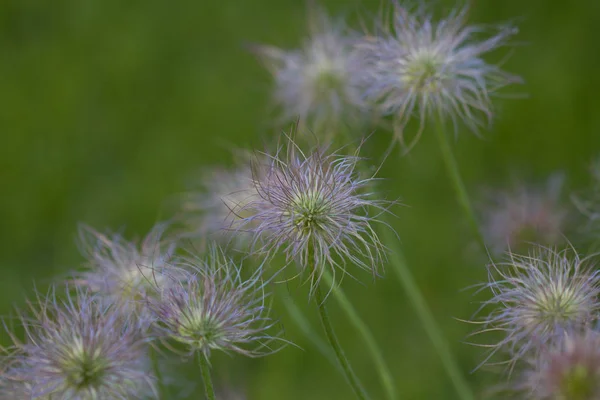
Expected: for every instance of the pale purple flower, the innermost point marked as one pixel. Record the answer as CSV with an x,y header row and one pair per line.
x,y
220,204
566,370
317,209
125,274
318,83
537,298
78,348
515,219
216,308
433,69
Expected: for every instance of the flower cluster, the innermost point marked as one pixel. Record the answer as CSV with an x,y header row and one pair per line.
x,y
411,64
541,302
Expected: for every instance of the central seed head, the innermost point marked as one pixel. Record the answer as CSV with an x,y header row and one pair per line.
x,y
424,72
557,303
198,329
309,210
84,368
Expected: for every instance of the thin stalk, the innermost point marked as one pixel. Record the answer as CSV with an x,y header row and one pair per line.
x,y
160,383
425,315
205,370
335,345
296,313
384,373
457,182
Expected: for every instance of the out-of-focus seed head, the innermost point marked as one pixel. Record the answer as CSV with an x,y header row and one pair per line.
x,y
527,214
568,370
221,204
216,308
315,208
588,203
318,82
125,274
432,68
537,298
79,349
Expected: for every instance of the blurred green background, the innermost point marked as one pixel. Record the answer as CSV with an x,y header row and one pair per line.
x,y
107,109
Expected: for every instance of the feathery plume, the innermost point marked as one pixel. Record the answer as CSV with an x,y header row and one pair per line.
x,y
432,68
315,208
318,82
538,298
125,274
215,308
79,349
568,370
214,210
524,215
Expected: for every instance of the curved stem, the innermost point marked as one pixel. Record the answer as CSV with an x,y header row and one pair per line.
x,y
426,317
335,345
205,370
384,373
457,182
296,313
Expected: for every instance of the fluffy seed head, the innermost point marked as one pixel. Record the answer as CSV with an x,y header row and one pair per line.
x,y
568,370
539,297
220,205
79,349
316,209
124,273
318,82
215,308
418,65
527,214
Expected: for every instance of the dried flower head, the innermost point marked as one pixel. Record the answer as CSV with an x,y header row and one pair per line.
x,y
525,215
317,210
539,297
216,308
79,349
432,69
318,82
568,370
213,211
124,274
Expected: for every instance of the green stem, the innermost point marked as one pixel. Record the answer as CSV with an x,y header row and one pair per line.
x,y
335,345
457,182
160,383
384,372
205,370
422,309
296,313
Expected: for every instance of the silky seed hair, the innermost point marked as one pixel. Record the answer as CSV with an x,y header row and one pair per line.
x,y
566,370
318,82
417,66
216,308
536,299
516,218
77,347
124,273
212,212
317,209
